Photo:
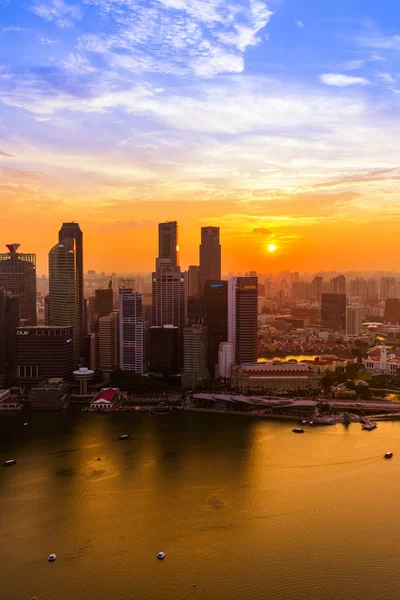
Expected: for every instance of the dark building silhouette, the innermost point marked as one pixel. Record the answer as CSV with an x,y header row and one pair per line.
x,y
210,256
43,352
216,301
392,310
168,242
333,311
196,311
246,308
103,302
193,280
18,276
9,321
72,230
164,350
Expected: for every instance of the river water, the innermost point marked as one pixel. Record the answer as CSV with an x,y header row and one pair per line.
x,y
244,508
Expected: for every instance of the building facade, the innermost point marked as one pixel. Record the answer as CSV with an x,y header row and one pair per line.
x,y
354,321
275,377
168,242
108,330
210,256
195,371
382,362
164,350
333,311
73,231
133,333
226,359
243,308
18,276
64,307
216,302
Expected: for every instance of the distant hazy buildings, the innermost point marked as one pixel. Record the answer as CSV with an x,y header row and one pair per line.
x,y
43,352
210,256
338,285
195,370
333,311
64,307
387,288
18,276
133,333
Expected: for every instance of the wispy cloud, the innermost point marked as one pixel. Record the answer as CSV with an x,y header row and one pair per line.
x,y
62,13
300,24
340,80
353,65
6,155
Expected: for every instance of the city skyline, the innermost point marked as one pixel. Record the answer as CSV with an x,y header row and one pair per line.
x,y
219,115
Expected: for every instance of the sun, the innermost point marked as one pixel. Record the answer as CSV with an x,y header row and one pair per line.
x,y
271,247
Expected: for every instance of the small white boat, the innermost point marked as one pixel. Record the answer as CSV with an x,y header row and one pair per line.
x,y
161,555
9,463
124,436
52,557
25,424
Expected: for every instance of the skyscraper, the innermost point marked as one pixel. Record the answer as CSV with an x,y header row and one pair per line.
x,y
68,231
353,321
164,350
242,318
168,242
103,302
108,326
338,284
18,276
64,291
194,356
133,333
216,301
333,311
193,280
210,256
392,310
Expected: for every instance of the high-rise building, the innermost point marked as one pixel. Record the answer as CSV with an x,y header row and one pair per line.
x,y
43,352
9,321
226,359
195,370
103,302
353,320
338,285
196,309
64,291
392,310
68,231
387,288
133,333
216,301
168,286
372,293
168,242
193,280
164,350
358,288
242,317
108,329
210,256
316,288
333,311
18,276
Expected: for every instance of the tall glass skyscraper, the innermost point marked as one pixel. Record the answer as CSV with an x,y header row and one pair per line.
x,y
168,242
64,290
68,231
210,256
133,333
18,276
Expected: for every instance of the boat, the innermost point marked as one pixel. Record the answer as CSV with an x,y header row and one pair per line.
x,y
52,557
388,454
99,458
161,555
25,424
298,430
369,426
124,436
9,463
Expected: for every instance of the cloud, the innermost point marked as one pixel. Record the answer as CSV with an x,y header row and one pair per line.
x,y
62,13
262,231
10,28
47,41
353,65
299,24
6,154
339,80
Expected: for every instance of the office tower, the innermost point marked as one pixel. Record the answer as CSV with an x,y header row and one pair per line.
x,y
90,314
226,359
333,311
338,285
392,311
64,291
44,352
133,333
168,286
194,356
372,290
18,276
68,231
316,288
210,256
92,350
164,350
196,309
9,321
193,280
168,242
216,301
103,302
387,288
354,320
301,290
108,347
242,317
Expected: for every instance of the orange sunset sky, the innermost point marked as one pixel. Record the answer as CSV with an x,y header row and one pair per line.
x,y
279,122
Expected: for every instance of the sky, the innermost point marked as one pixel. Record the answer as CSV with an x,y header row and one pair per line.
x,y
277,121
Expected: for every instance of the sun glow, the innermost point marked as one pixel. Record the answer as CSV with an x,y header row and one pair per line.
x,y
271,247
